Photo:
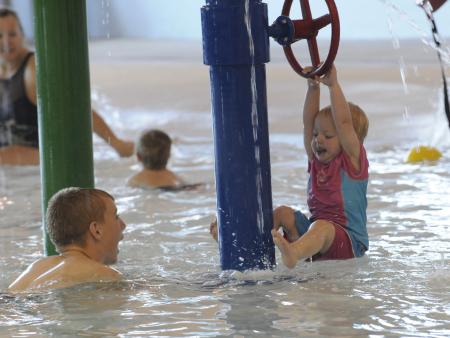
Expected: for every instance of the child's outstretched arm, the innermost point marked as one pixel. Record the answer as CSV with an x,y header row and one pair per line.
x,y
310,110
342,117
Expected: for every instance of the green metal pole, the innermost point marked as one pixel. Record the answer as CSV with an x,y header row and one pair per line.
x,y
64,106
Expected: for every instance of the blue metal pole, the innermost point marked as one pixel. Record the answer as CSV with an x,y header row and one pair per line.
x,y
236,46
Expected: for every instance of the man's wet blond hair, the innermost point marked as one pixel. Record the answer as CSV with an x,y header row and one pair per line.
x,y
71,211
359,119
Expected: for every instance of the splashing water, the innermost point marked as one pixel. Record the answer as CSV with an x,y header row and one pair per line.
x,y
443,54
401,63
173,284
106,4
424,35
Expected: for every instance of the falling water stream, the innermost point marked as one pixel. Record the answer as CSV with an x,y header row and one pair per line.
x,y
443,54
254,115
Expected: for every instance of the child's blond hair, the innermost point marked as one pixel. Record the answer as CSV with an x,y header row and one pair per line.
x,y
359,119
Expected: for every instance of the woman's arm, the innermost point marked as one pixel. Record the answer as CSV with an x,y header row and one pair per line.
x,y
123,148
19,155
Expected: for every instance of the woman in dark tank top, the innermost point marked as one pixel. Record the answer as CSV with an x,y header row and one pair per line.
x,y
18,115
18,111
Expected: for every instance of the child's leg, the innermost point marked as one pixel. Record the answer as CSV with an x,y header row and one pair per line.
x,y
341,248
317,239
284,217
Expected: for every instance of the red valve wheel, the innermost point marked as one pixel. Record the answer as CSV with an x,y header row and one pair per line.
x,y
308,28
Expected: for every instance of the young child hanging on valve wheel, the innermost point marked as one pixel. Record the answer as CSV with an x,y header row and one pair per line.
x,y
337,187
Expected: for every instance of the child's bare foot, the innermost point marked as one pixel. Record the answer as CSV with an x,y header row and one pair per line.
x,y
213,229
287,252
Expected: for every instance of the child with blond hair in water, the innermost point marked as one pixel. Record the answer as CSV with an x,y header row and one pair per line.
x,y
337,187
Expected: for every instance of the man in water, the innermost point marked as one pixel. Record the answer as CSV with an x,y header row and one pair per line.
x,y
86,230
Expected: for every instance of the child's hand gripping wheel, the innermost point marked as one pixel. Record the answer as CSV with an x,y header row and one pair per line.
x,y
286,31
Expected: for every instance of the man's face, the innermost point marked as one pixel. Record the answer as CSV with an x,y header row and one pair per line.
x,y
113,232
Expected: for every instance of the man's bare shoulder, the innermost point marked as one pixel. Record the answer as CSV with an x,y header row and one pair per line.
x,y
76,270
58,272
33,271
99,271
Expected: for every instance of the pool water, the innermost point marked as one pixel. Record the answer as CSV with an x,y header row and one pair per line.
x,y
173,284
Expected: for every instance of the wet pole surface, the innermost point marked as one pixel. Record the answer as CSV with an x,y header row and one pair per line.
x,y
64,108
236,46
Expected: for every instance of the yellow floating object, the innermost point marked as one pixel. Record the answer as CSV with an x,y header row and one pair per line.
x,y
422,154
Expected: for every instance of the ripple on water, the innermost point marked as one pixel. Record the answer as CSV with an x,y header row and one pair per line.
x,y
174,285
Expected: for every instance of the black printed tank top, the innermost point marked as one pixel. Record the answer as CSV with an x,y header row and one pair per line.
x,y
18,115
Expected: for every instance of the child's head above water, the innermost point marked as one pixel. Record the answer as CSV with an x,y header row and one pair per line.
x,y
153,149
325,143
359,119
